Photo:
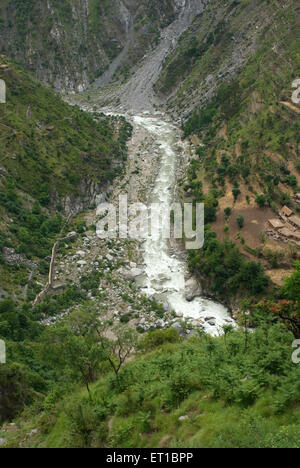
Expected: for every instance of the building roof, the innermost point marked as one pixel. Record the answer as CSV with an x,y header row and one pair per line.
x,y
285,210
286,232
276,223
295,220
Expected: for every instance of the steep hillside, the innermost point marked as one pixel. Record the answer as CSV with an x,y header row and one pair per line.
x,y
222,41
68,43
93,362
203,393
55,161
231,82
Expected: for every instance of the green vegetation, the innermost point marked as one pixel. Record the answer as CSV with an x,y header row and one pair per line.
x,y
156,389
249,137
240,220
240,390
49,152
224,270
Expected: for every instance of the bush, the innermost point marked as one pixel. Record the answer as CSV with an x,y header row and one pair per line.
x,y
157,338
240,220
261,200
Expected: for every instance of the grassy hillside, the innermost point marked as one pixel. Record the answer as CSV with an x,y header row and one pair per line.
x,y
54,159
238,391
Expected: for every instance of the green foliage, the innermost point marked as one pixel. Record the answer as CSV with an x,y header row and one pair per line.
x,y
157,338
15,390
240,220
232,398
261,200
225,269
291,287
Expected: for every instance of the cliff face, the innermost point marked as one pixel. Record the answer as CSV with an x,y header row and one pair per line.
x,y
69,43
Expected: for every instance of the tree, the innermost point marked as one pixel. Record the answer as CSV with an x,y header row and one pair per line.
x,y
236,192
261,200
227,212
240,221
15,390
73,344
118,349
291,287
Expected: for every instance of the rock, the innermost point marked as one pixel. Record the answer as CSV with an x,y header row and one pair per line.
x,y
183,418
192,289
81,253
160,323
177,326
133,273
3,171
196,323
81,263
72,235
3,441
207,319
140,280
13,258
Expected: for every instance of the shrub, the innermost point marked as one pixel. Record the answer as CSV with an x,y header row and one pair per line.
x,y
157,338
240,220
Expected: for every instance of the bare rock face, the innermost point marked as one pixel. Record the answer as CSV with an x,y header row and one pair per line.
x,y
12,258
73,42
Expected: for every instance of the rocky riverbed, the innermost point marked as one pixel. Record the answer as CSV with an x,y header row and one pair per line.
x,y
144,284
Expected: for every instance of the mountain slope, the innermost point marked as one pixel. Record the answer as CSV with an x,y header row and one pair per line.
x,y
223,41
68,43
230,82
55,160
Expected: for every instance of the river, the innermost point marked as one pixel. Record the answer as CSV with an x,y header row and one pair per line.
x,y
166,273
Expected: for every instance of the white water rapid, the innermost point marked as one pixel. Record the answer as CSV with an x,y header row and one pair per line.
x,y
165,274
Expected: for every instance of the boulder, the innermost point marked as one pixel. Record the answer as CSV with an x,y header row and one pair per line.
x,y
80,253
183,418
72,235
192,289
133,273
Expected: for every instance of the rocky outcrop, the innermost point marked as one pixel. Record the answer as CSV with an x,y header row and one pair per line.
x,y
71,42
89,194
13,258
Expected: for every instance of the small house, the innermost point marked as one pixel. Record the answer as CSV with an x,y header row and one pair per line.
x,y
276,224
295,221
285,232
285,211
